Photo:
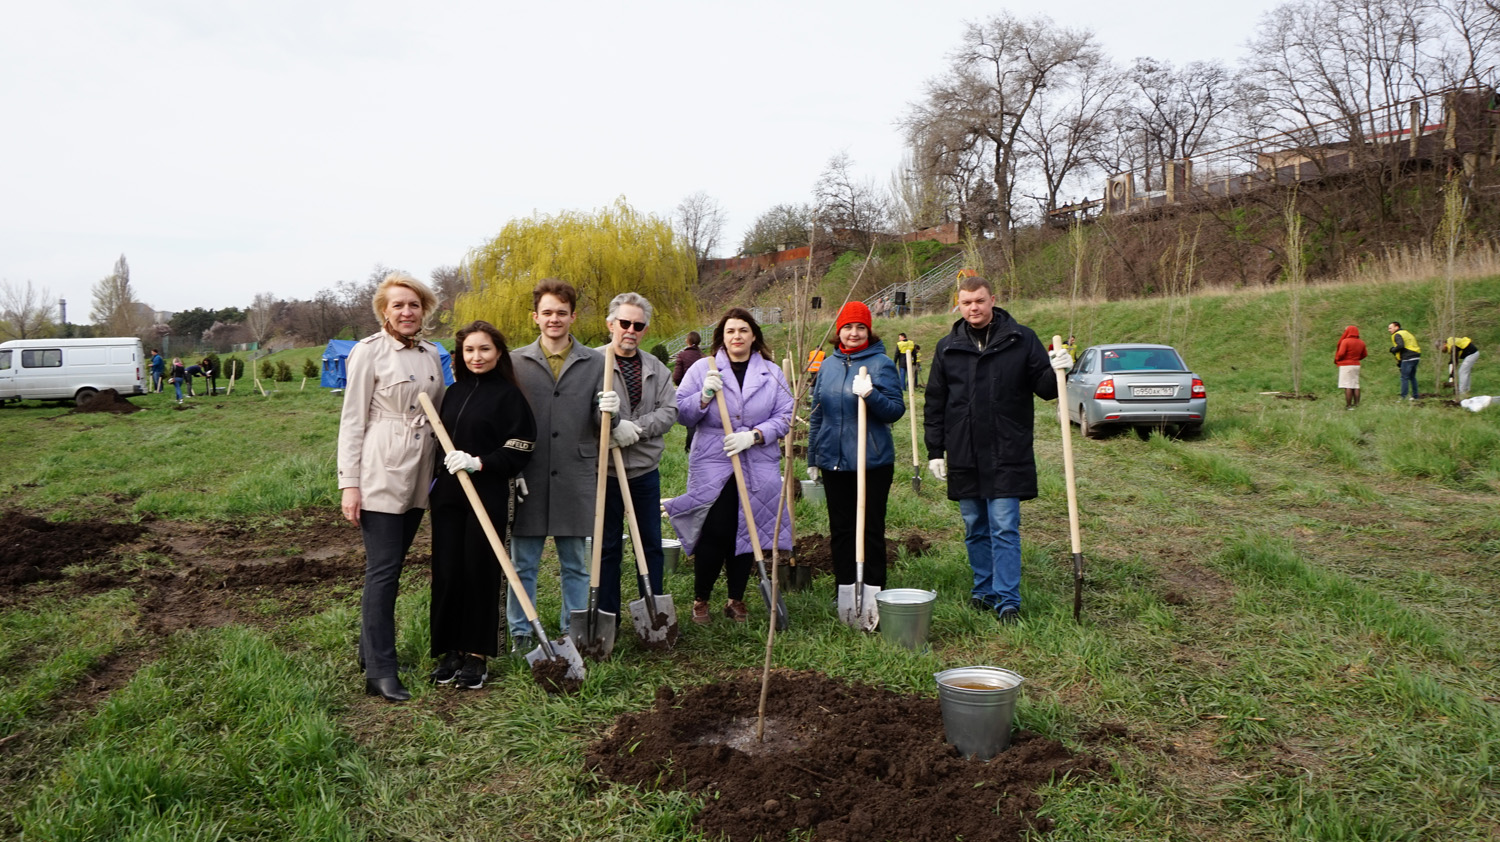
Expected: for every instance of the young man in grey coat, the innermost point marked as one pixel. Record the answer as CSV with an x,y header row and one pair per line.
x,y
645,402
555,493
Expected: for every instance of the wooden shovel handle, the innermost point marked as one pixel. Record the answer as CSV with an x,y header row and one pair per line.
x,y
739,472
603,478
911,389
635,525
859,473
479,511
1067,443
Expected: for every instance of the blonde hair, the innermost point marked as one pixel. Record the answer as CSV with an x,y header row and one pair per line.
x,y
404,279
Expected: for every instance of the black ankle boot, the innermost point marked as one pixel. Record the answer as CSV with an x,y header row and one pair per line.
x,y
389,688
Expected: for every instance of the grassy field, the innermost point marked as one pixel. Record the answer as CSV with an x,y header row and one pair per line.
x,y
1288,628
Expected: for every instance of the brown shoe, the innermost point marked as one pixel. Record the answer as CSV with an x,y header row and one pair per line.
x,y
735,610
700,612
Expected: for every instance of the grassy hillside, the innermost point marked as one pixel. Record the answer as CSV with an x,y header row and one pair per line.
x,y
1287,633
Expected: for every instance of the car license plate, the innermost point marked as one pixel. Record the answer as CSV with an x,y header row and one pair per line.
x,y
1153,391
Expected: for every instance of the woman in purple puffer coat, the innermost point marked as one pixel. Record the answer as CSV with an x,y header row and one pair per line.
x,y
708,517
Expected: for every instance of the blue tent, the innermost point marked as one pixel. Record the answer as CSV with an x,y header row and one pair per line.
x,y
337,352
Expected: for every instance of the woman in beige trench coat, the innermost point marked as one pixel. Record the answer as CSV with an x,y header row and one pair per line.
x,y
385,460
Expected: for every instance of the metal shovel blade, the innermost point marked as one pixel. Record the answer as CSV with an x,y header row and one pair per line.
x,y
916,483
655,619
561,648
593,632
779,606
857,606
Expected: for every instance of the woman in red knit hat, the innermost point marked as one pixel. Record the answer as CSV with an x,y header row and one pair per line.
x,y
833,440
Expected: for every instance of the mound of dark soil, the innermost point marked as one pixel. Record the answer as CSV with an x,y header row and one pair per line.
x,y
33,550
106,401
815,552
847,762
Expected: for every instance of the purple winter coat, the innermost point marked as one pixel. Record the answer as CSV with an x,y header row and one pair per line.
x,y
765,404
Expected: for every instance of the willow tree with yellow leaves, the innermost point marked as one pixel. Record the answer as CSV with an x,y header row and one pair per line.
x,y
602,254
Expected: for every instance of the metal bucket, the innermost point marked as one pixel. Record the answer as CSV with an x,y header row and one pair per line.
x,y
905,616
978,704
813,492
671,553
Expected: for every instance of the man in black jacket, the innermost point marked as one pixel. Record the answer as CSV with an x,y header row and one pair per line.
x,y
979,418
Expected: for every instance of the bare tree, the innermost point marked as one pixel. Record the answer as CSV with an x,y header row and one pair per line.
x,y
260,315
919,196
449,282
994,81
1178,112
25,312
115,310
851,207
700,219
1070,120
783,226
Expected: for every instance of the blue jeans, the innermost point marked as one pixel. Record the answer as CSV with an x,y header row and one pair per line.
x,y
1409,375
387,537
645,498
177,386
526,555
992,534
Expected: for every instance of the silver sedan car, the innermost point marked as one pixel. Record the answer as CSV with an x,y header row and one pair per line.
x,y
1147,387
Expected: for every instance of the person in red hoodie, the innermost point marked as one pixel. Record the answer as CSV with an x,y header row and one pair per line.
x,y
1350,351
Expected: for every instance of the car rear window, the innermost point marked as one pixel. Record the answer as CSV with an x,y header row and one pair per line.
x,y
1142,359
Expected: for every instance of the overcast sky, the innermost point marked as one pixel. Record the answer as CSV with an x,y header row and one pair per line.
x,y
242,146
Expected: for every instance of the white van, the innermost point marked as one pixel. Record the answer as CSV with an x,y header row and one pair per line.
x,y
57,369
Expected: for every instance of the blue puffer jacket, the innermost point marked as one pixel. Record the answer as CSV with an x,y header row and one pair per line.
x,y
834,438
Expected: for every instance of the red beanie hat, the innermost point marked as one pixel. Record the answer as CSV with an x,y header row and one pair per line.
x,y
854,311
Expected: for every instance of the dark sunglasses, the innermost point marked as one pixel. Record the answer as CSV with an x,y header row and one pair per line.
x,y
626,324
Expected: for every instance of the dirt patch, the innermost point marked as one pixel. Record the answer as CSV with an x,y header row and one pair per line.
x,y
1185,583
848,762
815,552
34,550
106,401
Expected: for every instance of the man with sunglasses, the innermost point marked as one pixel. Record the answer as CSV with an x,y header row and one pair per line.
x,y
644,401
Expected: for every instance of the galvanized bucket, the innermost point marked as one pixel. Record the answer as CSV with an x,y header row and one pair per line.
x,y
905,616
813,492
978,704
671,553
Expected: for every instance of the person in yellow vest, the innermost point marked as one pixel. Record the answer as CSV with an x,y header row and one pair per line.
x,y
902,346
1408,355
814,362
1468,353
1072,346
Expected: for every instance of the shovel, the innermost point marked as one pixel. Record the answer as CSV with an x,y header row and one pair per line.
x,y
911,389
773,604
655,617
857,605
591,629
1067,442
550,651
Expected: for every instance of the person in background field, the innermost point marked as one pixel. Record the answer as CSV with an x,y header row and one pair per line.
x,y
1408,355
1468,354
493,435
561,378
178,374
210,376
158,370
902,346
833,441
814,362
385,460
1351,349
979,420
708,516
685,359
644,401
193,371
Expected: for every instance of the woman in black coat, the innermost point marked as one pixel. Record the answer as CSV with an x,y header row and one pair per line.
x,y
493,435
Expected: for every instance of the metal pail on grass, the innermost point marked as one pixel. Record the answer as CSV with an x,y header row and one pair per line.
x,y
813,492
978,704
905,616
671,553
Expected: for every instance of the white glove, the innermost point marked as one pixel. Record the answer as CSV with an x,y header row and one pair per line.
x,y
609,402
738,442
939,468
457,460
521,489
812,472
625,433
1060,358
712,385
862,385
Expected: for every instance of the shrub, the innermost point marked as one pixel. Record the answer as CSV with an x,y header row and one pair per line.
x,y
310,369
283,372
234,367
659,350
